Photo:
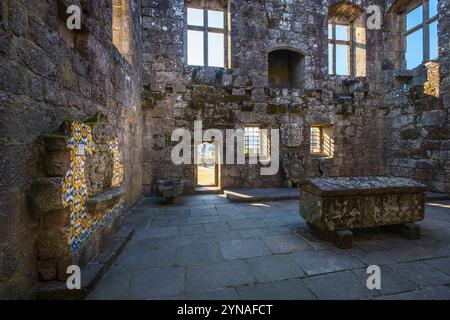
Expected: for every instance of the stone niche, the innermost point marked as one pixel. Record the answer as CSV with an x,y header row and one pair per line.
x,y
286,69
78,198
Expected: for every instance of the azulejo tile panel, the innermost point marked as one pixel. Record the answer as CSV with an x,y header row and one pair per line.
x,y
75,191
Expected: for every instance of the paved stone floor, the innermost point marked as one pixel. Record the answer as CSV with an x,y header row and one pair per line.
x,y
209,248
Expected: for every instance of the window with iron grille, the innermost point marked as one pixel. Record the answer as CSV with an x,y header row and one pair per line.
x,y
257,142
252,141
321,142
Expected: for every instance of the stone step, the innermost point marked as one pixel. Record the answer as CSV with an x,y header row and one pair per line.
x,y
262,195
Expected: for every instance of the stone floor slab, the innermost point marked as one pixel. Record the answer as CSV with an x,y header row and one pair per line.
x,y
339,285
220,294
216,227
391,282
421,273
158,232
203,219
134,260
158,282
285,243
201,212
293,289
188,250
237,249
274,267
441,264
431,293
324,261
263,232
198,254
218,275
190,229
240,224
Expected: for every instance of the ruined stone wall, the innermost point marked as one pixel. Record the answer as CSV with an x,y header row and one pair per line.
x,y
417,141
175,94
49,74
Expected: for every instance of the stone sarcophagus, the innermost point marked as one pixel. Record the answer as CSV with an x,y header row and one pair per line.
x,y
333,207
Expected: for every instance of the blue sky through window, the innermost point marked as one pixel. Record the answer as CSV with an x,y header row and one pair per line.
x,y
433,8
195,48
215,19
195,17
414,18
414,49
216,50
434,40
342,60
342,33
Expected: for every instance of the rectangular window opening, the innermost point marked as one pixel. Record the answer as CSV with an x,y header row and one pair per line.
x,y
322,142
206,36
252,141
421,33
257,142
339,48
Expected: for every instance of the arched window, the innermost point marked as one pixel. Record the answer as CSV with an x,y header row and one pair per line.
x,y
346,40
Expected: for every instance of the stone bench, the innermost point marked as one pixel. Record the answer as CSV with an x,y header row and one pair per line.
x,y
333,207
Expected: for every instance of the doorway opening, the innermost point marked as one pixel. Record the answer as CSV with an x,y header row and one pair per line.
x,y
207,167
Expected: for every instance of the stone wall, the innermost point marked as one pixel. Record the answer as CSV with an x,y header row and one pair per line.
x,y
49,74
175,94
417,143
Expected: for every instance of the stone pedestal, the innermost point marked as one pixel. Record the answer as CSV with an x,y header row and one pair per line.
x,y
171,188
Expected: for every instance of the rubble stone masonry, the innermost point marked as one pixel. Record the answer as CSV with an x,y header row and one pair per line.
x,y
380,120
49,74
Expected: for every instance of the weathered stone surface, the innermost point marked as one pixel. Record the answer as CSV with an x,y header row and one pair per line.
x,y
291,134
47,194
362,185
242,95
306,273
384,119
170,188
106,200
49,74
293,165
335,204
